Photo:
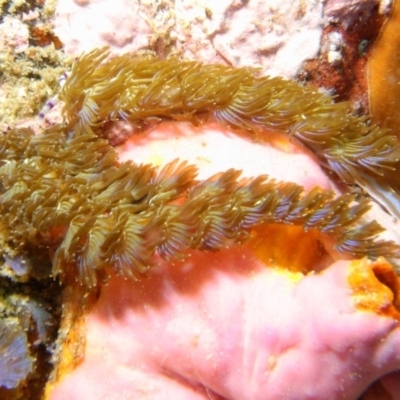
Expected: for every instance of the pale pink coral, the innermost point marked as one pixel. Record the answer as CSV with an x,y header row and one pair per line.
x,y
14,35
276,36
84,25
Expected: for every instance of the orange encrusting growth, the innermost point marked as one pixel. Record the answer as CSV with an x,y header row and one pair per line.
x,y
384,102
384,74
375,287
72,332
287,247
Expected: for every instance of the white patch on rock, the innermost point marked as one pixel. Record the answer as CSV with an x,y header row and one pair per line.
x,y
14,35
275,36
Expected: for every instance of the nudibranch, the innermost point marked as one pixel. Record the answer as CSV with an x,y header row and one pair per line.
x,y
65,190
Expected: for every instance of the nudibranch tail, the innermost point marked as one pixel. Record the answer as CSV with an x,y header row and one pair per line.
x,y
139,89
70,195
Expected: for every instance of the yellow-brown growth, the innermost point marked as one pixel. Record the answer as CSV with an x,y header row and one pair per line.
x,y
384,100
145,89
384,74
71,196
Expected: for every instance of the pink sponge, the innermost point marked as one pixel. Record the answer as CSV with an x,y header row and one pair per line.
x,y
280,317
225,324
